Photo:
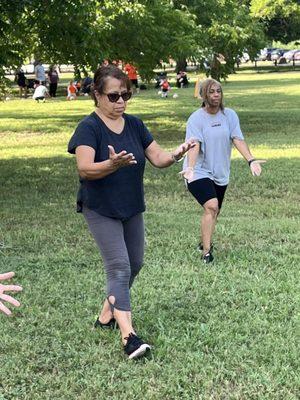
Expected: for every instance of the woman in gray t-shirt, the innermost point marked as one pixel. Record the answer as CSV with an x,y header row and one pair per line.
x,y
207,166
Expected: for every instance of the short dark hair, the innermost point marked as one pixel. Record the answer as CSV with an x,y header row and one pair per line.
x,y
102,74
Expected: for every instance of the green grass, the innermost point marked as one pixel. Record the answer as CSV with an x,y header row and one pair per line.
x,y
224,331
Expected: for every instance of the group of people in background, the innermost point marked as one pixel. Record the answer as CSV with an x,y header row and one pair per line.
x,y
82,86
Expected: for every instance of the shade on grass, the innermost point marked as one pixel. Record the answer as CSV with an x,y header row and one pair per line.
x,y
221,331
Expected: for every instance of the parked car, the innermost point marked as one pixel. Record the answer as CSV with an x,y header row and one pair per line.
x,y
277,54
296,56
289,55
265,54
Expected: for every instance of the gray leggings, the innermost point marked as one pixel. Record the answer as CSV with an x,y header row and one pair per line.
x,y
121,244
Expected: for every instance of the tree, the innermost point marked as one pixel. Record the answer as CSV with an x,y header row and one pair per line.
x,y
224,28
15,39
281,18
159,31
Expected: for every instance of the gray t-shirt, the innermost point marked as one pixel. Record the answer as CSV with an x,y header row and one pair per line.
x,y
215,132
40,73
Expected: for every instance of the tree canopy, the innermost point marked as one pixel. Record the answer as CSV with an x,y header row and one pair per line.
x,y
281,18
84,32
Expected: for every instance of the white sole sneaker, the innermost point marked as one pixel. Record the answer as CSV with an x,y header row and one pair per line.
x,y
140,351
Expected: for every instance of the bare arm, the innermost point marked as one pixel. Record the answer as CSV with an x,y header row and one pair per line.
x,y
161,158
244,150
193,155
89,169
157,156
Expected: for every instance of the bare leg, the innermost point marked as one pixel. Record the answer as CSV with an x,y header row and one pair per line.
x,y
124,321
208,223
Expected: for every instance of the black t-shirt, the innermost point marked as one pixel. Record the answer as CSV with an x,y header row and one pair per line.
x,y
120,194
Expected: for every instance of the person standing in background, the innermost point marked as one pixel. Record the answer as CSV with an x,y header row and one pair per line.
x,y
21,82
53,81
39,72
131,71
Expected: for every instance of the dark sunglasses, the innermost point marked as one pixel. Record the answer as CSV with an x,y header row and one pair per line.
x,y
114,97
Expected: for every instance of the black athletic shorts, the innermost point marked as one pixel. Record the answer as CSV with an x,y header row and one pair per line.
x,y
206,189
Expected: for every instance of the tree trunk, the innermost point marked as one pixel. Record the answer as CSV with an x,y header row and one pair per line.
x,y
181,65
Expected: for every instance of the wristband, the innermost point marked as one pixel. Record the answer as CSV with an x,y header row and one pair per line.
x,y
175,159
251,161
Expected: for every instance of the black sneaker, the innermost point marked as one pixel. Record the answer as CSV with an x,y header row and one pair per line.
x,y
200,247
112,324
135,347
208,258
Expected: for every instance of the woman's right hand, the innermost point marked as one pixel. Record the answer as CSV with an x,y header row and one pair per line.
x,y
122,159
188,174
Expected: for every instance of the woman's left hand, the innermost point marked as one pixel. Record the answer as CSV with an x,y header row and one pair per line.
x,y
183,148
255,167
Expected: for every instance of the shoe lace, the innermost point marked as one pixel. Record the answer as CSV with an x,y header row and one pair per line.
x,y
132,338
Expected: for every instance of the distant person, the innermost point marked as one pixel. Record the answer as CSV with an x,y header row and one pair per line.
x,y
72,91
21,82
182,80
40,92
8,288
111,150
39,72
53,81
165,87
131,71
86,85
207,165
78,85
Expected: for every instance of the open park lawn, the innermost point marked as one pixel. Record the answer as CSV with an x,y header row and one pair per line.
x,y
227,330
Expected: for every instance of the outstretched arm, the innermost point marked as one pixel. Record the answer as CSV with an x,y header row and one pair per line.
x,y
254,164
161,158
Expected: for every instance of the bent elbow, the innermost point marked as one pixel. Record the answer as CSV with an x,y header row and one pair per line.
x,y
83,173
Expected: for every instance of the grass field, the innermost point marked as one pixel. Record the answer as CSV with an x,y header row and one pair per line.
x,y
229,330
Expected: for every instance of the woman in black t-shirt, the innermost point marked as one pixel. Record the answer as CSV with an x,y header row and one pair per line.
x,y
111,148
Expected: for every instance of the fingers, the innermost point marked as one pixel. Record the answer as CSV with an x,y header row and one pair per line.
x,y
259,161
128,158
10,300
122,158
111,151
256,169
12,288
7,275
4,309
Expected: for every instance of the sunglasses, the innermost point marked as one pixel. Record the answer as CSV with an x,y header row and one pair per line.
x,y
114,97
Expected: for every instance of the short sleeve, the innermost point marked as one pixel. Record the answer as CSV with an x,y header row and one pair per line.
x,y
146,136
193,129
234,125
84,135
